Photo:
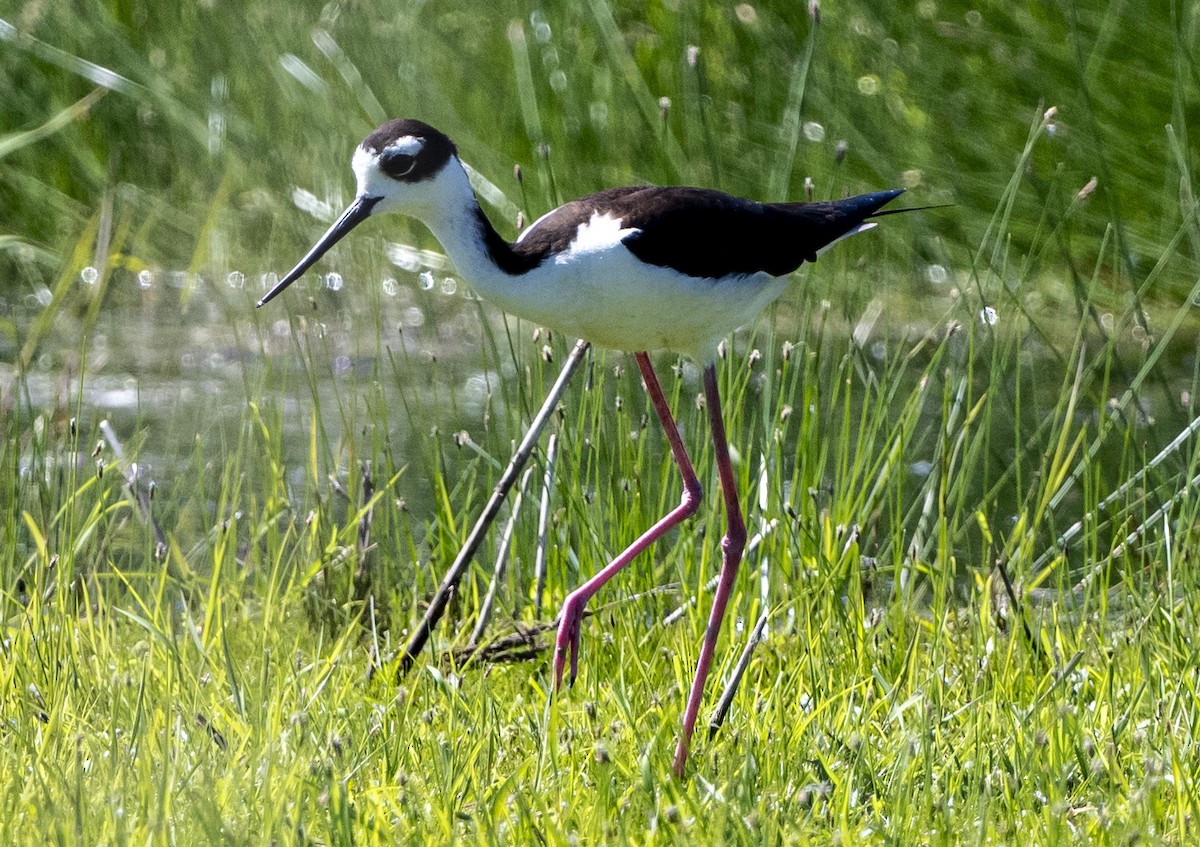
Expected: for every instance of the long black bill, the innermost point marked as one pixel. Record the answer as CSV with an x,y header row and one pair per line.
x,y
357,212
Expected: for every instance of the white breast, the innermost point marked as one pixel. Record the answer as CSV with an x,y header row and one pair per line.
x,y
598,290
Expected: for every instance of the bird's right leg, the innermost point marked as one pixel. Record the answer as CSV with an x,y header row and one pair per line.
x,y
571,616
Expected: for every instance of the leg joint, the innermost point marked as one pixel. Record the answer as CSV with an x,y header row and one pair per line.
x,y
734,541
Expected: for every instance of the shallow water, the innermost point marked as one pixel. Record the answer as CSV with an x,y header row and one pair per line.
x,y
175,362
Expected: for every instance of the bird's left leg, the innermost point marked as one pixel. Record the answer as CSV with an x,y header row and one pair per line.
x,y
571,616
732,546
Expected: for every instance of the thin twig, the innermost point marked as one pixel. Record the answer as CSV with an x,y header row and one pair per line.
x,y
1019,611
339,489
526,643
1161,511
522,645
489,600
735,679
539,567
437,606
1060,545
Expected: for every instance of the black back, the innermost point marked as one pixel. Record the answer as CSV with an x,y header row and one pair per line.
x,y
699,232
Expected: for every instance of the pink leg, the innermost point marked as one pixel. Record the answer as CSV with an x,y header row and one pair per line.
x,y
731,556
572,612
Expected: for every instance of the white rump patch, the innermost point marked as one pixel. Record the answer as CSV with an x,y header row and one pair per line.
x,y
601,232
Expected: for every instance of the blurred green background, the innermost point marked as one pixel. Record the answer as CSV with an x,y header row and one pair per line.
x,y
216,112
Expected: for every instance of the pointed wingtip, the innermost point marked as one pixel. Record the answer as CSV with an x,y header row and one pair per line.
x,y
862,206
878,199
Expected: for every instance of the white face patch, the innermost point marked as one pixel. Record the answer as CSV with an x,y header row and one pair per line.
x,y
365,165
601,232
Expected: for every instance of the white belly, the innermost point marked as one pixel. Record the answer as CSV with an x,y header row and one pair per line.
x,y
612,299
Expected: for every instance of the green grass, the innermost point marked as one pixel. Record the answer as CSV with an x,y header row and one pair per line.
x,y
210,654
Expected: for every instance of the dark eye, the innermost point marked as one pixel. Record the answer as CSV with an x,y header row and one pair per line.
x,y
396,164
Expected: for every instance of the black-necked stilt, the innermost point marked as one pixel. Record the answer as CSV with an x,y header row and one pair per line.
x,y
638,269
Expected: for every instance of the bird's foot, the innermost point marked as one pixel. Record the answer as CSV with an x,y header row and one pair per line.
x,y
570,620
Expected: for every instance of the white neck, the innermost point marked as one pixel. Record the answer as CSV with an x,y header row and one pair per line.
x,y
454,217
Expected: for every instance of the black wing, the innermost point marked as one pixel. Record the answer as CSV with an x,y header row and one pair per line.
x,y
709,234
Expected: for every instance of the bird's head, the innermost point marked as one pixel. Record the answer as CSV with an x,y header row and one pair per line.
x,y
401,166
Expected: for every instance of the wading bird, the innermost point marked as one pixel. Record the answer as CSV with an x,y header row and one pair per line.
x,y
637,269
